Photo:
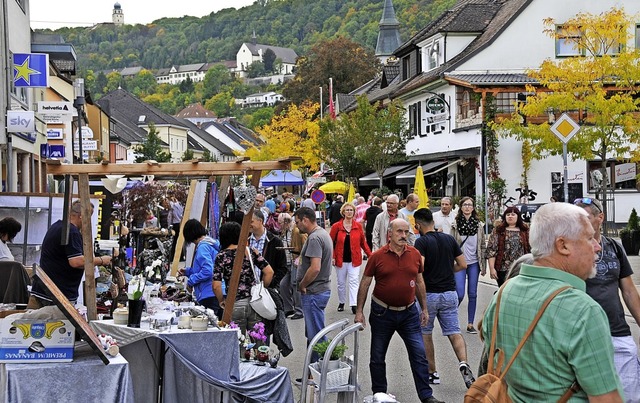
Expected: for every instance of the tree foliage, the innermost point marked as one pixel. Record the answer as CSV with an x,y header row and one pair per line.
x,y
599,89
369,137
269,58
294,132
217,36
348,63
152,147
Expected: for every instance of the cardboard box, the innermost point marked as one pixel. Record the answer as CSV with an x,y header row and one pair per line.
x,y
36,340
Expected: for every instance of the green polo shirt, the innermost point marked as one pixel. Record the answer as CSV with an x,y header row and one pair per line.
x,y
571,341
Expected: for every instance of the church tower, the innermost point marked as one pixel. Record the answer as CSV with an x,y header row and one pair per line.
x,y
117,16
389,35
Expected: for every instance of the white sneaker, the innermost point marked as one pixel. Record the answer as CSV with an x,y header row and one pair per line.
x,y
384,397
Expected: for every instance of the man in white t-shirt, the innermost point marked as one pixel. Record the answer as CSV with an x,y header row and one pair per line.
x,y
445,217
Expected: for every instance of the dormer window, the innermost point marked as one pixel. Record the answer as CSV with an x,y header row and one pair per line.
x,y
432,55
141,118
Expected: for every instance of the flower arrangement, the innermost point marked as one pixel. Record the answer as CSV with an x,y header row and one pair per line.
x,y
136,287
153,270
257,334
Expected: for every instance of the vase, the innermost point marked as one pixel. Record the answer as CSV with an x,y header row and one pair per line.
x,y
263,354
247,353
135,312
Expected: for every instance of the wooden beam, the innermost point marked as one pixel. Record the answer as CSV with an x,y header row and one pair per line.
x,y
87,248
170,169
185,217
232,287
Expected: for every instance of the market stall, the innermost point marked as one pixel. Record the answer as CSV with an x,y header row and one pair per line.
x,y
191,170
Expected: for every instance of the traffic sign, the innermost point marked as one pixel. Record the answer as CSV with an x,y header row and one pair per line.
x,y
565,128
318,196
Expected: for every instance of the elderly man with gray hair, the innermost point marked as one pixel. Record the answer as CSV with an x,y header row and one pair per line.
x,y
571,344
379,237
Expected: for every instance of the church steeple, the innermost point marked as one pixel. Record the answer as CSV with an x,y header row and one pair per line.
x,y
389,35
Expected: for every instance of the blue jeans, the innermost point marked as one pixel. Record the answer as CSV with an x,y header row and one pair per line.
x,y
444,307
384,323
472,273
313,308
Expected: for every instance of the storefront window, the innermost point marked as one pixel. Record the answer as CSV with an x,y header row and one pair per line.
x,y
619,175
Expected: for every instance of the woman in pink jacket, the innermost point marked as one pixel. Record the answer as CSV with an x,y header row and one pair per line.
x,y
348,242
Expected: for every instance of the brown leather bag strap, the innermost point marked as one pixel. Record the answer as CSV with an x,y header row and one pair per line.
x,y
532,326
492,348
573,389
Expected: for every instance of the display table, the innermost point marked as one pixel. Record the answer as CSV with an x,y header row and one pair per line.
x,y
86,379
194,366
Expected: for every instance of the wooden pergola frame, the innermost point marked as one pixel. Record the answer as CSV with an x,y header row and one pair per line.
x,y
192,169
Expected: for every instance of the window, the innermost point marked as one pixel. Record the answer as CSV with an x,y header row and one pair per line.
x,y
567,42
620,175
415,120
506,101
467,103
406,68
432,56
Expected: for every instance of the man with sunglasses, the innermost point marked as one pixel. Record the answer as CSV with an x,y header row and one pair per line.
x,y
613,273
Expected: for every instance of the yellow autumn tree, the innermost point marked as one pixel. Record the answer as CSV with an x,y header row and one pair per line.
x,y
599,88
293,132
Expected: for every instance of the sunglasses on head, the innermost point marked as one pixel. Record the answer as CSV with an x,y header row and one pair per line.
x,y
587,201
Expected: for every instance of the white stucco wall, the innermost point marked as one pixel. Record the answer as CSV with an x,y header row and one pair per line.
x,y
523,44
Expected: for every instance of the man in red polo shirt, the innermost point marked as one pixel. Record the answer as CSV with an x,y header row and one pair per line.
x,y
396,267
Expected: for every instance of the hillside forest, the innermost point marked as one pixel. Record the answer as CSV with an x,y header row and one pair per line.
x,y
296,24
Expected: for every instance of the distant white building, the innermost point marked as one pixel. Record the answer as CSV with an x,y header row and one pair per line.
x,y
261,99
118,15
254,52
177,74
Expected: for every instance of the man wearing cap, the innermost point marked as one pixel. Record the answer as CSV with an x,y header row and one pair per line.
x,y
613,274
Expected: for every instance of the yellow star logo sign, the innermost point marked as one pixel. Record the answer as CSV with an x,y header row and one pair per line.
x,y
24,71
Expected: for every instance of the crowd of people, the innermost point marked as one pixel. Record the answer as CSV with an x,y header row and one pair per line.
x,y
421,265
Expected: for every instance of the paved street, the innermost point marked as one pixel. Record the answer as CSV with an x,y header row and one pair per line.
x,y
452,388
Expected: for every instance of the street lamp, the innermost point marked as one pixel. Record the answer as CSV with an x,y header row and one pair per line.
x,y
78,92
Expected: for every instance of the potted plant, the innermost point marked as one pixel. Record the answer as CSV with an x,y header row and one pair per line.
x,y
337,353
630,235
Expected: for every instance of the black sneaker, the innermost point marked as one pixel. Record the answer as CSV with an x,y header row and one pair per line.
x,y
434,378
297,316
431,399
340,307
467,375
353,309
471,329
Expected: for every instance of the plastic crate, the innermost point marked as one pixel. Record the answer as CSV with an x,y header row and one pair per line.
x,y
335,378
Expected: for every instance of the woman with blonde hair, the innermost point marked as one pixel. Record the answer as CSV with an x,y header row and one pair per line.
x,y
349,241
468,231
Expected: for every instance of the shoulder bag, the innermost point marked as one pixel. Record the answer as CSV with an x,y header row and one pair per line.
x,y
261,300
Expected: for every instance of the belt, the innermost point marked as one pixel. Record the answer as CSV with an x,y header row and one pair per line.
x,y
393,308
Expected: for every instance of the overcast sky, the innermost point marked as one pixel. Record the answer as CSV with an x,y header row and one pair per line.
x,y
70,13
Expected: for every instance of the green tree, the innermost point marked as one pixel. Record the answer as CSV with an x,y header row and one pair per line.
x,y
143,83
348,63
208,157
215,78
186,85
114,81
152,147
187,155
269,58
370,136
221,104
599,89
256,69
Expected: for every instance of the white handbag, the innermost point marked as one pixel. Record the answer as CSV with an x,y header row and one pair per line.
x,y
261,300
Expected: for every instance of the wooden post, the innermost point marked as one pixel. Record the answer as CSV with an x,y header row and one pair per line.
x,y
87,248
185,218
232,287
